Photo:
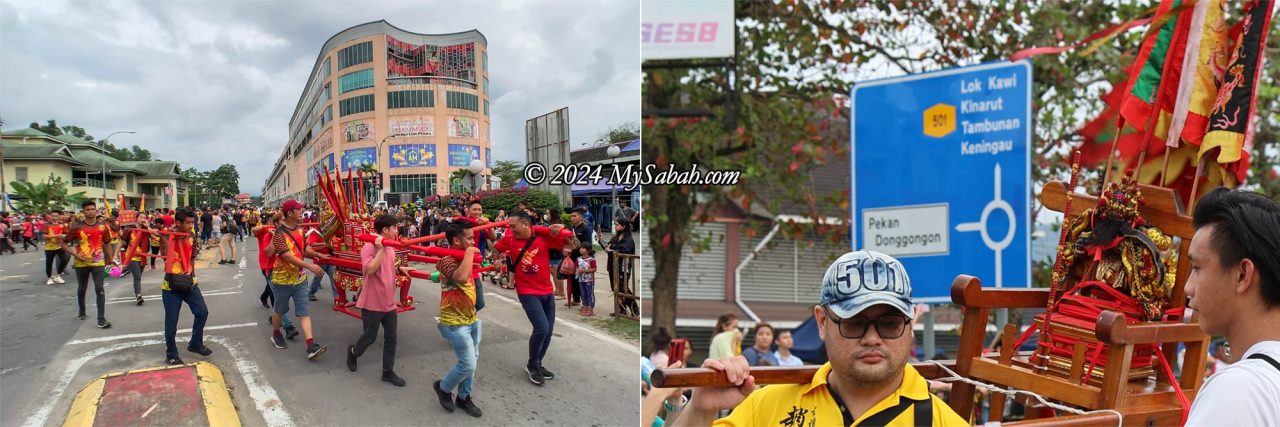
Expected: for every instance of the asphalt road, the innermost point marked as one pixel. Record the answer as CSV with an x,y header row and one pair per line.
x,y
46,355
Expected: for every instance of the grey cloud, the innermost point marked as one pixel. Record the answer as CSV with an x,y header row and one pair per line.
x,y
199,83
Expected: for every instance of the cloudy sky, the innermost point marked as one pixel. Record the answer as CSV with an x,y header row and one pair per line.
x,y
212,82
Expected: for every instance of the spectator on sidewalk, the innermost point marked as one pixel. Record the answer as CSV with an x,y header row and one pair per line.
x,y
760,353
783,355
726,339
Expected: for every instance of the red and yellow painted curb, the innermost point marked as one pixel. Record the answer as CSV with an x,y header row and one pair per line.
x,y
170,395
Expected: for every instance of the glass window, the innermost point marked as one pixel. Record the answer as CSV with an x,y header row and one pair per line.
x,y
356,104
486,108
355,80
324,72
463,101
411,99
128,183
355,55
21,173
415,183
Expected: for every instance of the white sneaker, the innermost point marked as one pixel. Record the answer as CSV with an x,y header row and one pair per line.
x,y
58,280
49,282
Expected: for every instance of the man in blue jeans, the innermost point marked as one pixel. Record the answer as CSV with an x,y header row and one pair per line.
x,y
179,269
459,322
287,279
532,272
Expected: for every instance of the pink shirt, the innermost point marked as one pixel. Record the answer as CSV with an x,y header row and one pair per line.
x,y
379,292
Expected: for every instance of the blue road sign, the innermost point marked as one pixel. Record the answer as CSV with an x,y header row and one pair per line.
x,y
942,175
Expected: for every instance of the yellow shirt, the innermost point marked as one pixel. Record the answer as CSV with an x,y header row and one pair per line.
x,y
811,404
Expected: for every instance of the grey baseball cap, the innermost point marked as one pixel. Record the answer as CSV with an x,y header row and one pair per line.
x,y
861,279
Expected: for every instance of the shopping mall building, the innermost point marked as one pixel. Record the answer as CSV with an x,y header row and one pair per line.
x,y
389,102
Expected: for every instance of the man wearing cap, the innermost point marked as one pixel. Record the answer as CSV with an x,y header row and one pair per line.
x,y
287,277
864,319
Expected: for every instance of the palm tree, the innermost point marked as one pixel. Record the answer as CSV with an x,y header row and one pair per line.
x,y
48,195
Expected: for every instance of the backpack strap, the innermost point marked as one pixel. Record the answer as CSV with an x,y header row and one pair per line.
x,y
1267,359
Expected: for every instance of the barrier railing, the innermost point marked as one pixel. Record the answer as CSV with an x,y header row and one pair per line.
x,y
624,281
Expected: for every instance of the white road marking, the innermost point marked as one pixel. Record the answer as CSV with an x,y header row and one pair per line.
x,y
157,297
42,414
264,396
152,408
210,292
153,334
9,370
259,389
575,326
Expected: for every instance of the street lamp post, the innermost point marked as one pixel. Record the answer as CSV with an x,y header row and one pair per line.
x,y
104,163
613,152
475,168
377,162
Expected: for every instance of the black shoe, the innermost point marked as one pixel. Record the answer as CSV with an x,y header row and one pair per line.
x,y
391,377
313,297
546,374
468,405
203,351
290,332
535,375
351,358
139,299
174,361
264,303
104,324
81,317
222,261
278,341
446,398
315,351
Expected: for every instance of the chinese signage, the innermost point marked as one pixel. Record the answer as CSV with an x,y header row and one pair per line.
x,y
412,155
413,126
322,145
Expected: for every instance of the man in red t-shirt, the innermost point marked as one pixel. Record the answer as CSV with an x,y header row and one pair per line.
x,y
168,219
93,252
532,272
266,256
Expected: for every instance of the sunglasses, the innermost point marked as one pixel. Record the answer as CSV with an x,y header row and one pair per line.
x,y
889,326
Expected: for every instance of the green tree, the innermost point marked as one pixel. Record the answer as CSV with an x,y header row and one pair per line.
x,y
223,182
779,108
51,127
460,180
45,196
623,132
510,171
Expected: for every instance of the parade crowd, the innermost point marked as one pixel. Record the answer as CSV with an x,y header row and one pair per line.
x,y
542,268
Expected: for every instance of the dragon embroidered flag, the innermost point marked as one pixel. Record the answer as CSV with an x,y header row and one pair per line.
x,y
1229,130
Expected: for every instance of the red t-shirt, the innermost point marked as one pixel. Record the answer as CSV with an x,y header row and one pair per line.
x,y
264,241
168,221
533,271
